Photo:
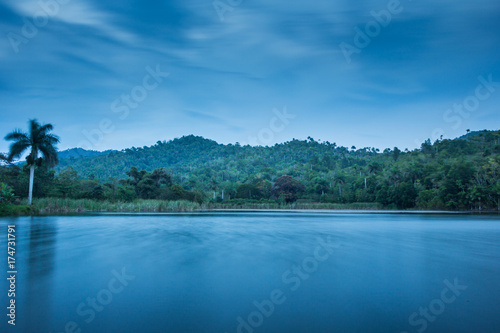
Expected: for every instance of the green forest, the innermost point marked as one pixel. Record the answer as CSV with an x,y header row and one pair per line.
x,y
458,174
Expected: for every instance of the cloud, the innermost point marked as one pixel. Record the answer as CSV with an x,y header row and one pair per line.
x,y
231,74
81,12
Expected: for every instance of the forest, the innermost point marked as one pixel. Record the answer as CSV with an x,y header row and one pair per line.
x,y
458,174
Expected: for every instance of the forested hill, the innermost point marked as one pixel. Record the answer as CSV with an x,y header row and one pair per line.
x,y
79,152
459,173
194,157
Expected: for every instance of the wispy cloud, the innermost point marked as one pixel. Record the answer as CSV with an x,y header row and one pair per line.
x,y
264,55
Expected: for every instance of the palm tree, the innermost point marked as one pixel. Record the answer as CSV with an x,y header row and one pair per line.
x,y
340,180
40,141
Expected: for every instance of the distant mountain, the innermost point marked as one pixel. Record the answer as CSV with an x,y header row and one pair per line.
x,y
80,152
113,163
196,158
472,134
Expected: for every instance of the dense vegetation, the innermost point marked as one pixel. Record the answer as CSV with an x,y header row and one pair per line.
x,y
459,174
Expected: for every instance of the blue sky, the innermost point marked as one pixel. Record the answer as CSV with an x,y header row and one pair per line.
x,y
250,71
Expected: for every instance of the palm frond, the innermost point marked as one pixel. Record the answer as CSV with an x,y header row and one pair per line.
x,y
38,139
49,153
46,128
17,135
49,139
17,148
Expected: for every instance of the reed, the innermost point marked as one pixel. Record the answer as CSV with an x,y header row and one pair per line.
x,y
56,206
46,206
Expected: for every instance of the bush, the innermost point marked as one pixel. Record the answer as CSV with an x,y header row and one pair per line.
x,y
6,193
7,209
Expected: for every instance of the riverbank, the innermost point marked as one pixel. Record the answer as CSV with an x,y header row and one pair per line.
x,y
58,206
55,206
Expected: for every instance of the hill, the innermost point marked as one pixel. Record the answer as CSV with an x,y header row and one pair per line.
x,y
80,152
193,154
462,173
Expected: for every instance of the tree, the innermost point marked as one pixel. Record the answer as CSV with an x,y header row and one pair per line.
x,y
404,195
288,188
147,188
67,183
6,193
426,147
40,142
456,184
248,191
177,192
395,153
162,177
320,185
91,189
126,193
340,180
374,168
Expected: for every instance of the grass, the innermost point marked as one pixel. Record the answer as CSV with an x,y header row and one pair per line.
x,y
7,209
56,206
48,206
255,204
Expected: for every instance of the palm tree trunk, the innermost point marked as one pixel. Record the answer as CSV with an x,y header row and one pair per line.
x,y
32,176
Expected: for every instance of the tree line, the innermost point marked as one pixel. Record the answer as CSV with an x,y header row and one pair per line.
x,y
459,174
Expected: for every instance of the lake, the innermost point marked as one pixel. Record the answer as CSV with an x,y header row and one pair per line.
x,y
255,272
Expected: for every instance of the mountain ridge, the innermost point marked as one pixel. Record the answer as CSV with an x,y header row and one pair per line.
x,y
195,152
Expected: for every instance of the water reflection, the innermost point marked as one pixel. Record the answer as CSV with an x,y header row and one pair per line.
x,y
42,239
41,258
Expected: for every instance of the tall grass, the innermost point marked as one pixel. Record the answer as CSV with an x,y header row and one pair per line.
x,y
54,206
254,204
45,206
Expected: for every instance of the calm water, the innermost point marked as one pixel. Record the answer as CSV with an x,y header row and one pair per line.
x,y
255,272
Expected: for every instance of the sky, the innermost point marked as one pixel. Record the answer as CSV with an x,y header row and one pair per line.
x,y
376,73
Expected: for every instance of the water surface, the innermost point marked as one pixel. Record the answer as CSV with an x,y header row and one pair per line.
x,y
221,272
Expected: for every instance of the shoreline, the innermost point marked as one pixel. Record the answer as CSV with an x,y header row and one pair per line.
x,y
255,211
55,207
355,211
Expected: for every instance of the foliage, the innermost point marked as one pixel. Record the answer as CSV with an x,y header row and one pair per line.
x,y
7,209
459,174
47,206
6,193
40,142
287,188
